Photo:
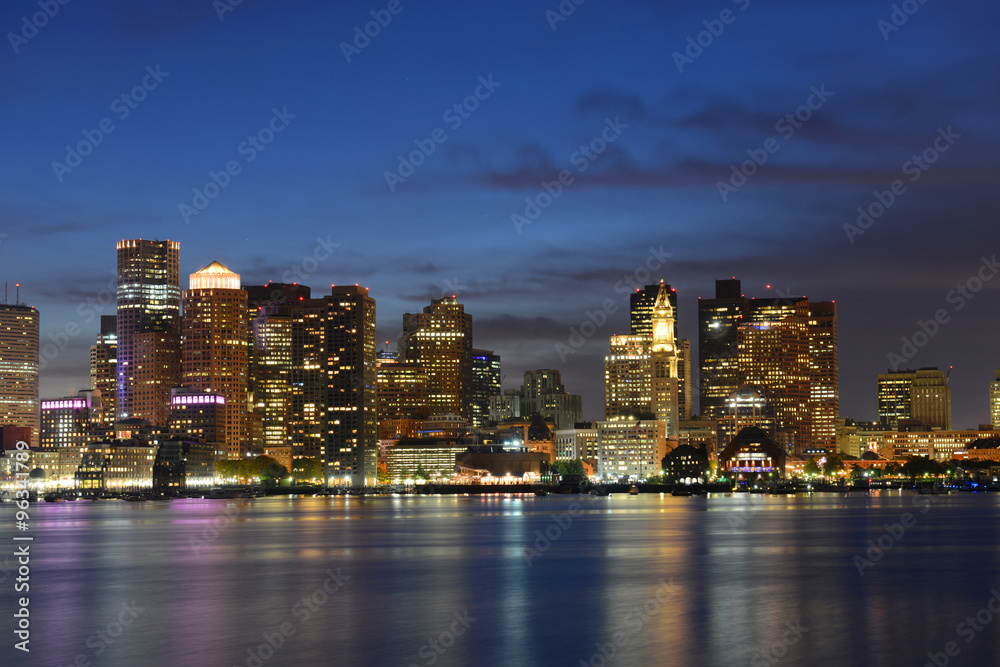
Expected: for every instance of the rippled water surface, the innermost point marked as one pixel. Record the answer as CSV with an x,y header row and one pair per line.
x,y
648,580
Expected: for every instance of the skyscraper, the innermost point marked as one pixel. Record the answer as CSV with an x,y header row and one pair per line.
x,y
148,324
995,401
334,383
440,339
271,317
214,348
485,383
930,399
19,367
104,368
718,346
894,397
914,398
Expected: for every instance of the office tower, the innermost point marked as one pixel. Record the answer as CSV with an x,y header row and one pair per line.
x,y
642,303
215,341
894,389
788,351
104,368
148,323
774,357
19,359
930,399
685,384
271,318
543,393
401,389
66,422
199,416
920,398
333,384
718,346
628,391
995,401
440,339
485,383
824,382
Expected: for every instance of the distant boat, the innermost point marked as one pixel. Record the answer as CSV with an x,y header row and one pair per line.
x,y
541,492
634,491
600,491
53,498
680,491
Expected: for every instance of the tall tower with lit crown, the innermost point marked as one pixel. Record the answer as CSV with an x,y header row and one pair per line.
x,y
215,345
664,360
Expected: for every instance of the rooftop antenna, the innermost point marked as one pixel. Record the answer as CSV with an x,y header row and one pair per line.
x,y
17,293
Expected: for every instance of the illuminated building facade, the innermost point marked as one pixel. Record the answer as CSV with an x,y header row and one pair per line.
x,y
116,466
485,383
334,384
995,401
579,442
930,399
433,456
215,349
937,445
440,339
914,398
788,351
104,368
630,448
148,325
271,318
67,422
752,455
402,390
19,359
718,346
199,416
894,397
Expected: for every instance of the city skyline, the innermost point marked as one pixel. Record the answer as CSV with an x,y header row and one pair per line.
x,y
327,124
588,413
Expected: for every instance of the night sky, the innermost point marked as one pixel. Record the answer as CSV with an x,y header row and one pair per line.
x,y
673,125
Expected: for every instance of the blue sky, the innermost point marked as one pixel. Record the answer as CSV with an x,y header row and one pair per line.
x,y
447,228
